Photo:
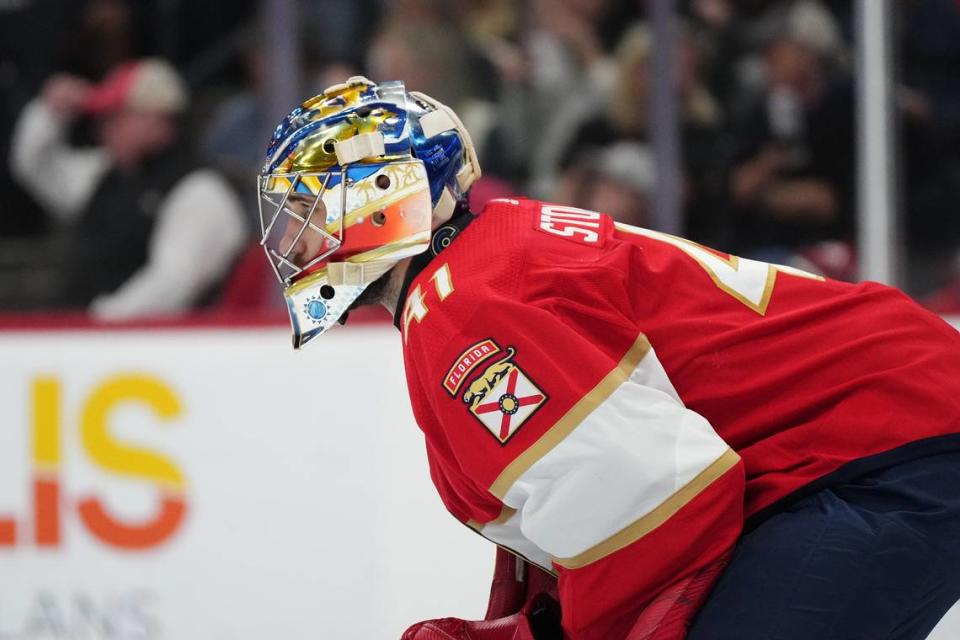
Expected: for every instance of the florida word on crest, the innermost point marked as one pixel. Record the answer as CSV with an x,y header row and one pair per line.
x,y
502,397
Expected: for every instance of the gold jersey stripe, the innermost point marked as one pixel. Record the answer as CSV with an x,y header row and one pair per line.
x,y
572,419
699,252
638,529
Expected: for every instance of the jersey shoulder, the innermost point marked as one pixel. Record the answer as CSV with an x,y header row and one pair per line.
x,y
546,223
522,276
512,243
481,266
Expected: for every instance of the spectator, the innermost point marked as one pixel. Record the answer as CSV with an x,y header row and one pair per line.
x,y
428,56
734,36
105,35
792,179
233,139
623,116
567,47
930,138
617,180
437,58
153,230
568,69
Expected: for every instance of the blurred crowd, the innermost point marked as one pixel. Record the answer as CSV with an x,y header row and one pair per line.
x,y
133,130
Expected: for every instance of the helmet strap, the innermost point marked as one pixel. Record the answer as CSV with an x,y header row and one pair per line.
x,y
359,147
356,274
446,205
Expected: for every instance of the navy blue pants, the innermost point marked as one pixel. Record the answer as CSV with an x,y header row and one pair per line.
x,y
877,558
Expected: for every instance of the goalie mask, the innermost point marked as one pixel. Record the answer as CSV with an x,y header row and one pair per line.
x,y
355,180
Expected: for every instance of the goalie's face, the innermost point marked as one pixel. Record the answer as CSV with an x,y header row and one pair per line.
x,y
301,221
329,234
301,241
363,213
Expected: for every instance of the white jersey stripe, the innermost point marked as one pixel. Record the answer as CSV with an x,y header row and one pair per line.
x,y
638,529
505,531
572,419
614,464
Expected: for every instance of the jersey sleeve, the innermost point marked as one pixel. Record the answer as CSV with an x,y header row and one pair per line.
x,y
564,414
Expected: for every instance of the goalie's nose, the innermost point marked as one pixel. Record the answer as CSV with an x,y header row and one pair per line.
x,y
302,240
293,244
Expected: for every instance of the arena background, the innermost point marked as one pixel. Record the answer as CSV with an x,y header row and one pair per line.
x,y
171,469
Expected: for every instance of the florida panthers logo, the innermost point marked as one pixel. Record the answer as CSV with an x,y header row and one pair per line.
x,y
503,397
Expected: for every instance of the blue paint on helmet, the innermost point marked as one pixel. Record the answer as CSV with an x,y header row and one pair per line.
x,y
443,154
316,310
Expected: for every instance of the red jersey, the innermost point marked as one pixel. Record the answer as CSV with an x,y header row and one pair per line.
x,y
612,403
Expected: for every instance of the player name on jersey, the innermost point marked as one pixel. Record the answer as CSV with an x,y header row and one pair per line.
x,y
570,222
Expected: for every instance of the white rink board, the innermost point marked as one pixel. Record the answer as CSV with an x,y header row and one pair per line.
x,y
309,510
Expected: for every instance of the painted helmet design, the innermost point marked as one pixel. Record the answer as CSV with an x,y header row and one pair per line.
x,y
354,180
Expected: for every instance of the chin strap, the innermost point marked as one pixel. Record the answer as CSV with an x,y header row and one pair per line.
x,y
356,274
446,207
359,147
353,274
